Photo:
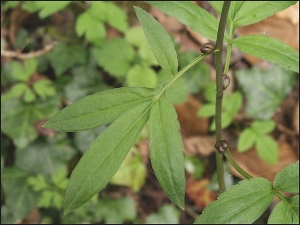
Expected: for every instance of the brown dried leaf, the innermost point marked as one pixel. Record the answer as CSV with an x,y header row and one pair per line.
x,y
203,145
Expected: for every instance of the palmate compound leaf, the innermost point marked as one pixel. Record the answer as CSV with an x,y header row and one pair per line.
x,y
105,155
159,41
243,203
166,150
96,110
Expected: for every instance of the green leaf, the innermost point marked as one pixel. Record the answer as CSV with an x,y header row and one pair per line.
x,y
253,12
115,56
194,166
210,92
242,203
43,157
233,103
159,41
217,5
65,57
141,76
267,149
246,140
104,156
132,172
98,10
192,16
226,121
167,214
17,192
286,212
265,89
207,110
96,110
287,179
270,49
116,17
263,127
38,182
44,88
18,119
117,211
49,7
25,71
93,29
166,150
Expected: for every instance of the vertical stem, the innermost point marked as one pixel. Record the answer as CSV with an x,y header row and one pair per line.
x,y
219,96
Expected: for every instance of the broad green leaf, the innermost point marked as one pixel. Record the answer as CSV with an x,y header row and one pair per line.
x,y
246,140
263,127
210,92
217,5
50,7
44,88
18,119
270,49
15,91
207,110
252,12
166,150
159,41
132,172
38,182
25,71
116,211
43,157
116,17
142,76
96,110
287,179
65,57
265,89
104,156
242,203
191,15
98,10
267,149
19,197
115,56
167,214
233,103
93,29
226,121
286,212
176,93
59,178
86,80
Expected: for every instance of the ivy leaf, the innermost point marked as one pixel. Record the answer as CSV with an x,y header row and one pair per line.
x,y
44,88
116,17
25,71
253,12
17,192
38,183
104,156
65,57
99,109
192,16
265,89
246,140
263,127
207,110
141,76
17,118
287,179
270,49
43,157
115,56
286,212
159,41
267,149
242,203
49,8
166,150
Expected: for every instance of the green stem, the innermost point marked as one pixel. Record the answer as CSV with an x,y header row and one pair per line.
x,y
219,96
190,65
235,165
281,196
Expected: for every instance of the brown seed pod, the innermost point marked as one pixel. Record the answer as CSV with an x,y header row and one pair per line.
x,y
226,81
221,146
207,48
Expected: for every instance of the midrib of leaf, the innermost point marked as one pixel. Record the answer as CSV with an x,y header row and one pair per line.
x,y
165,152
242,209
158,41
116,107
112,149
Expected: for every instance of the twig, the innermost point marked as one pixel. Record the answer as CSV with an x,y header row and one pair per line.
x,y
19,55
